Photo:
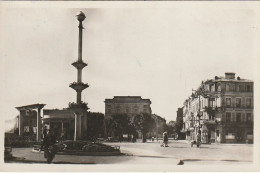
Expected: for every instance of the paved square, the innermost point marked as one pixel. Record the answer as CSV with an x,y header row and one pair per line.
x,y
151,153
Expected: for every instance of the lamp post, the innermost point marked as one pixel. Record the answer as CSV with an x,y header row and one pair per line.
x,y
199,115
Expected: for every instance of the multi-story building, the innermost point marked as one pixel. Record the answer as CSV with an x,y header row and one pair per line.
x,y
129,105
222,109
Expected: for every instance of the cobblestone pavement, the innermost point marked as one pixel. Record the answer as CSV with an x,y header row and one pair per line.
x,y
178,152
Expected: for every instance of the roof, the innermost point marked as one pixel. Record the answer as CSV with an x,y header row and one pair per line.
x,y
223,79
127,99
29,107
57,113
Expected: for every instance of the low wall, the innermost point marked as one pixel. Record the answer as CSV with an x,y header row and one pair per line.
x,y
84,153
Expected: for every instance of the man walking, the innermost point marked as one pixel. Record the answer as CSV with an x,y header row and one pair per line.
x,y
49,147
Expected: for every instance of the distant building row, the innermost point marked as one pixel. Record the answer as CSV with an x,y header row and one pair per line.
x,y
222,109
32,118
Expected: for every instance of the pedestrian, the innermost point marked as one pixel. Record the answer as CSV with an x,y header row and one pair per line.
x,y
44,132
165,139
198,139
49,146
62,136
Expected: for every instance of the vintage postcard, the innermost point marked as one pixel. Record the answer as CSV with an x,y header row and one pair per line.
x,y
129,86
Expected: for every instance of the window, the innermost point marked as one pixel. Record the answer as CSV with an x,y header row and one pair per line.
x,y
109,106
248,117
211,102
26,129
145,110
109,111
118,110
213,88
238,117
228,116
145,106
238,102
217,133
207,87
228,102
240,88
232,87
248,88
248,102
219,87
135,110
127,110
227,87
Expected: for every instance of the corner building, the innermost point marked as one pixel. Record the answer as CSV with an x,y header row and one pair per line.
x,y
222,109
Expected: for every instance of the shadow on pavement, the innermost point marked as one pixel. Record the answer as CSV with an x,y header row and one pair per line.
x,y
178,147
42,162
198,160
154,156
22,160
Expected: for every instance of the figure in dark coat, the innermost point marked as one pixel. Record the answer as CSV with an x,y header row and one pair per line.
x,y
49,146
165,139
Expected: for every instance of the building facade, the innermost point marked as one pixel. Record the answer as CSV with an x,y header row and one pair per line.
x,y
160,127
130,105
222,109
179,123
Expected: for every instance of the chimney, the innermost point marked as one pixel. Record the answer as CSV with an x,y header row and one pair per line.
x,y
230,75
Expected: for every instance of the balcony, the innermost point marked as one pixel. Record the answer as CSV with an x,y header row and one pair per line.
x,y
79,86
79,64
209,122
79,105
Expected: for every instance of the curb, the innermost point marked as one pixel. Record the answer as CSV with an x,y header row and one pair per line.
x,y
82,153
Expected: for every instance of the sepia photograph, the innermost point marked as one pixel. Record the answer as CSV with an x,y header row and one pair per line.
x,y
129,86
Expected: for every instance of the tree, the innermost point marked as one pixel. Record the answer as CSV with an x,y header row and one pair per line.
x,y
95,125
117,125
144,123
172,126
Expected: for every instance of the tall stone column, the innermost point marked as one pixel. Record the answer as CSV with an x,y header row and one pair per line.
x,y
21,124
79,86
77,132
75,128
38,133
84,124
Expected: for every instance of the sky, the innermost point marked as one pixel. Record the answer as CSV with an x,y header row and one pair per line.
x,y
159,54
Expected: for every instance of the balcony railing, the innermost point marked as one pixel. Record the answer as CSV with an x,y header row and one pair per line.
x,y
78,105
79,86
79,64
